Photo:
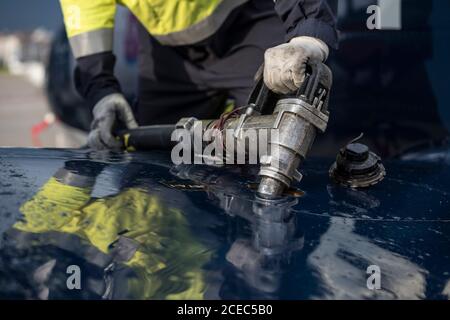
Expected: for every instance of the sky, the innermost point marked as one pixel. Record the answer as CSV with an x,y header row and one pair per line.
x,y
25,15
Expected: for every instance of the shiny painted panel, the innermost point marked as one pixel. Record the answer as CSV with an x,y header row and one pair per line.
x,y
141,228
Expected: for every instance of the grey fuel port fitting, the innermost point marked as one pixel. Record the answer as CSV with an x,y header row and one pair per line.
x,y
357,167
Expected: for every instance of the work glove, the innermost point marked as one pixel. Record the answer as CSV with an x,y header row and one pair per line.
x,y
109,112
285,65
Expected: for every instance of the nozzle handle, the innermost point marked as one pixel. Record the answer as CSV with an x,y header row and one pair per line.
x,y
317,76
263,99
156,137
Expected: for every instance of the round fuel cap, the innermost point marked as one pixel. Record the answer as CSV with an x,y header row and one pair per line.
x,y
357,167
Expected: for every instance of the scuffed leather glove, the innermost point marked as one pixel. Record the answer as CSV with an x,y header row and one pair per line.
x,y
109,112
284,65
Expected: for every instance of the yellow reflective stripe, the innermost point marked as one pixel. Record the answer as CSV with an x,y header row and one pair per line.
x,y
82,16
166,16
92,42
173,22
202,29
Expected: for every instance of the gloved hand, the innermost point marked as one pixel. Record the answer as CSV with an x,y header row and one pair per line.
x,y
284,65
109,111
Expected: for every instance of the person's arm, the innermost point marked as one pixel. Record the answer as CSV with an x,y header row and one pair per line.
x,y
310,31
94,77
90,29
311,18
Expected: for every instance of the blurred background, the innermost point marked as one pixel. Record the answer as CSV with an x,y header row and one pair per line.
x,y
27,29
393,85
39,106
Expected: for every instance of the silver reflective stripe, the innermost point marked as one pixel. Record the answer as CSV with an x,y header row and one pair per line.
x,y
92,42
74,180
203,29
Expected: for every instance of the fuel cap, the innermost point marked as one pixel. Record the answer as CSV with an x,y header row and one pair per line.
x,y
357,167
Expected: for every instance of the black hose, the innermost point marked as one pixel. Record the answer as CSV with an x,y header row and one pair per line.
x,y
157,137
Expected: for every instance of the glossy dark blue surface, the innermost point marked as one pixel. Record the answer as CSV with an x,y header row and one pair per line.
x,y
148,230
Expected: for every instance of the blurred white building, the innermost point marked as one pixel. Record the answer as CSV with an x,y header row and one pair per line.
x,y
26,53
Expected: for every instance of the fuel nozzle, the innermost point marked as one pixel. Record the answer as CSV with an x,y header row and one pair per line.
x,y
297,119
292,120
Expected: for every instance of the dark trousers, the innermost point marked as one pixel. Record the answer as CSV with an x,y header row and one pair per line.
x,y
198,80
